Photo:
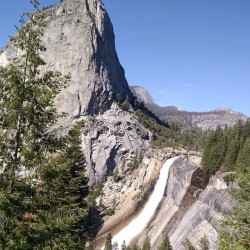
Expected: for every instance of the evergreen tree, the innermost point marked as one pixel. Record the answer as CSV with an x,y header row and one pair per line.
x,y
146,244
135,247
236,229
123,246
108,243
59,200
244,154
214,152
42,185
231,155
165,245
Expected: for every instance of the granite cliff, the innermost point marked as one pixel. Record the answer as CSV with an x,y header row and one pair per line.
x,y
142,95
191,208
80,41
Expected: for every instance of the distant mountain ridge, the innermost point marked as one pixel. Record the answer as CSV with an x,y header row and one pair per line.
x,y
204,120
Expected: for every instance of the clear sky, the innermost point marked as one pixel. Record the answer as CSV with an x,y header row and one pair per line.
x,y
194,54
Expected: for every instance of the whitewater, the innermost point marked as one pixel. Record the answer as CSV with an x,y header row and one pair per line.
x,y
140,222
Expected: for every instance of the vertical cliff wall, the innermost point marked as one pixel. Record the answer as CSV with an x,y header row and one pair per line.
x,y
80,41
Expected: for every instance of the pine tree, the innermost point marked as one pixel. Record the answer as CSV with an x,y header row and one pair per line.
x,y
59,200
236,229
231,155
42,183
146,244
244,154
108,243
135,247
123,246
165,245
214,152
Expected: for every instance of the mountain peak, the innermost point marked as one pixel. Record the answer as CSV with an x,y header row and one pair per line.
x,y
142,95
79,39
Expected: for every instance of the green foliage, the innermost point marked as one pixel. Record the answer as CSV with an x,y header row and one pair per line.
x,y
108,243
42,183
227,148
123,246
236,229
146,244
136,161
93,194
214,151
162,135
59,200
188,245
165,244
115,175
134,247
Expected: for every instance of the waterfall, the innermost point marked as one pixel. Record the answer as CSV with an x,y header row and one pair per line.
x,y
141,221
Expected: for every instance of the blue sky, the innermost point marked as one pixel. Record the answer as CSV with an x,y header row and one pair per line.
x,y
194,54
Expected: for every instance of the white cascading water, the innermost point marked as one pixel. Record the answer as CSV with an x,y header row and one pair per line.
x,y
140,222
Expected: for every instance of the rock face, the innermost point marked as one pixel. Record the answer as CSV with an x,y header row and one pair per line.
x,y
142,95
192,208
112,140
193,205
80,41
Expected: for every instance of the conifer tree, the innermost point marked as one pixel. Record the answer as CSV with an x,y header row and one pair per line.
x,y
123,246
165,245
59,200
214,152
231,155
236,229
108,243
42,185
146,244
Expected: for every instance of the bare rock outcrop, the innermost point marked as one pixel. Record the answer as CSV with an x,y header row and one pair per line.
x,y
192,207
80,41
142,95
112,140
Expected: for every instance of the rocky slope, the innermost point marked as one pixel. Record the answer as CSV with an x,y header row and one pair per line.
x,y
202,120
192,207
80,41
